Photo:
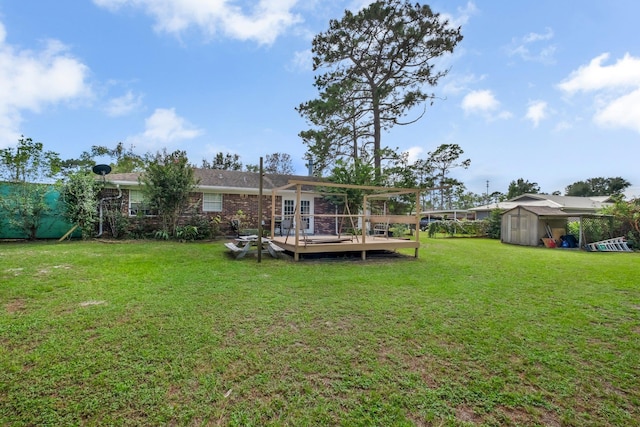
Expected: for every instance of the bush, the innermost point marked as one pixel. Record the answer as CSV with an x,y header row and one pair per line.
x,y
187,233
206,228
117,222
494,224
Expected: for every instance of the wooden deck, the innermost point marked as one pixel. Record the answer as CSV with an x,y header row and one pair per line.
x,y
335,244
373,222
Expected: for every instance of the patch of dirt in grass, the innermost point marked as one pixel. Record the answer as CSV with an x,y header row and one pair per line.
x,y
45,271
466,414
91,302
14,271
417,421
425,367
550,419
323,382
520,416
15,306
517,416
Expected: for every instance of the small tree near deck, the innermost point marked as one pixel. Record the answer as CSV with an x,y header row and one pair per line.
x,y
168,180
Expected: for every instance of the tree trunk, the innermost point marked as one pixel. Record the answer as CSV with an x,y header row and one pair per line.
x,y
376,132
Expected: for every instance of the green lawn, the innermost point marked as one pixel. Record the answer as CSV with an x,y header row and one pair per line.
x,y
473,332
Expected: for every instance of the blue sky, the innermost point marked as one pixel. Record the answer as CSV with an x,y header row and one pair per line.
x,y
544,90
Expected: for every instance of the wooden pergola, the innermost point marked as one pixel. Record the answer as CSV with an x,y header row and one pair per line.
x,y
299,244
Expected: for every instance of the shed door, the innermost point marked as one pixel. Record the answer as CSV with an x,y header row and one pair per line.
x,y
517,229
523,236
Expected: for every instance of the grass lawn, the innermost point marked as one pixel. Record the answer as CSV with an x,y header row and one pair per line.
x,y
473,332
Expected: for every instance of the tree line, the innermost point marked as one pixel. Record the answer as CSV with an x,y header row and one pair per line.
x,y
168,178
377,69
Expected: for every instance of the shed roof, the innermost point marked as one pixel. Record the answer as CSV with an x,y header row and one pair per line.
x,y
546,211
567,203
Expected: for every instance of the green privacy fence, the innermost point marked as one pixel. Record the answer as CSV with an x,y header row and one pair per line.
x,y
53,225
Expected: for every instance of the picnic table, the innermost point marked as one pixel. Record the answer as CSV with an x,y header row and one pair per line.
x,y
248,244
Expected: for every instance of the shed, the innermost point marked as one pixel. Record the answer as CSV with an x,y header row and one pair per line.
x,y
575,205
527,225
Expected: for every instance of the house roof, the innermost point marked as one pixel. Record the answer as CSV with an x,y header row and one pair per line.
x,y
233,181
566,203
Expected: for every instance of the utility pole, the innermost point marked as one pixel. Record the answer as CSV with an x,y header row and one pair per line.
x,y
260,228
487,191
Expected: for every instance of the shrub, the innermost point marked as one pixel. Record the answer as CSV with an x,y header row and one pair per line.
x,y
117,222
494,224
187,233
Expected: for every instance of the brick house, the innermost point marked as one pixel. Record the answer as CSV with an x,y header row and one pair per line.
x,y
223,194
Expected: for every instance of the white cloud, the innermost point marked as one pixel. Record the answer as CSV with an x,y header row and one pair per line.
x,y
479,101
414,153
463,15
302,60
484,102
164,128
455,84
562,126
624,73
616,90
534,37
623,112
29,81
537,112
528,47
357,5
266,20
124,104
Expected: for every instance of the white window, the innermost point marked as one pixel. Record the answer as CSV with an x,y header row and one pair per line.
x,y
211,202
137,205
306,210
289,208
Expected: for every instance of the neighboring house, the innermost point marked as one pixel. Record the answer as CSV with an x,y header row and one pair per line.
x,y
223,194
567,204
436,215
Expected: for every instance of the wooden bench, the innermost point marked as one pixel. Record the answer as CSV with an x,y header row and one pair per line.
x,y
274,250
238,251
241,251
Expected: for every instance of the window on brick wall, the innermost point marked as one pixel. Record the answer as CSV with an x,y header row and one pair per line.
x,y
211,202
137,205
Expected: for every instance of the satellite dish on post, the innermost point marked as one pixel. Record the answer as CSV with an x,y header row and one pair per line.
x,y
101,170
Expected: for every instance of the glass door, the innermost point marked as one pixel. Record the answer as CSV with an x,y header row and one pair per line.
x,y
306,210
